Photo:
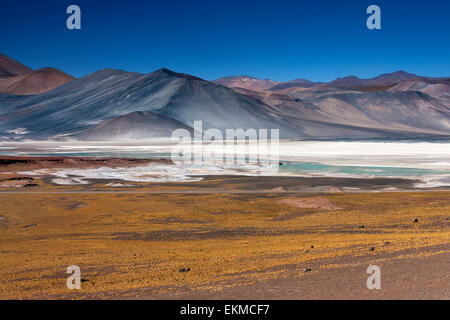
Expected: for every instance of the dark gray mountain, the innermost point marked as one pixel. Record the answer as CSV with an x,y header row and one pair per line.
x,y
85,102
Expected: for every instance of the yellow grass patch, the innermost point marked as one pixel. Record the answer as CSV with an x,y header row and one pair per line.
x,y
133,244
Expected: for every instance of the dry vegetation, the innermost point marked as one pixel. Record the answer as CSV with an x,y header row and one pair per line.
x,y
136,244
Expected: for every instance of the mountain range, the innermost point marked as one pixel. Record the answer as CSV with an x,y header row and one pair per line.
x,y
110,105
381,82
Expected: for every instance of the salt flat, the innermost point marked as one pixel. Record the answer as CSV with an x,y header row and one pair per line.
x,y
427,161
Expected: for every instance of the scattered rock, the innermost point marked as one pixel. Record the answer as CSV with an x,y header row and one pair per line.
x,y
386,242
361,226
84,280
307,251
312,247
307,270
185,269
416,220
30,225
372,249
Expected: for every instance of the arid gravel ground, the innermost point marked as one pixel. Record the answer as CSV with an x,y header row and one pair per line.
x,y
306,240
406,274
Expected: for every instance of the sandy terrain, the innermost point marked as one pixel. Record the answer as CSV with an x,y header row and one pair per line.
x,y
234,237
311,203
408,274
235,245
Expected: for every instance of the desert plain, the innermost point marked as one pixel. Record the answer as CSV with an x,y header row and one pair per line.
x,y
224,237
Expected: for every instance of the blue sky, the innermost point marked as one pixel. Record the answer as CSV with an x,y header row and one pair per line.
x,y
281,40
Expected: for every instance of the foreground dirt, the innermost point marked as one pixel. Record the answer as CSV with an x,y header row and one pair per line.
x,y
234,245
406,274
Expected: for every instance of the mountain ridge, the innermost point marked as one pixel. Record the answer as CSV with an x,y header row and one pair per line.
x,y
18,79
111,104
10,67
382,82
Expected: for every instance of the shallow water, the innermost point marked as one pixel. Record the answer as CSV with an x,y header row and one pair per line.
x,y
379,171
